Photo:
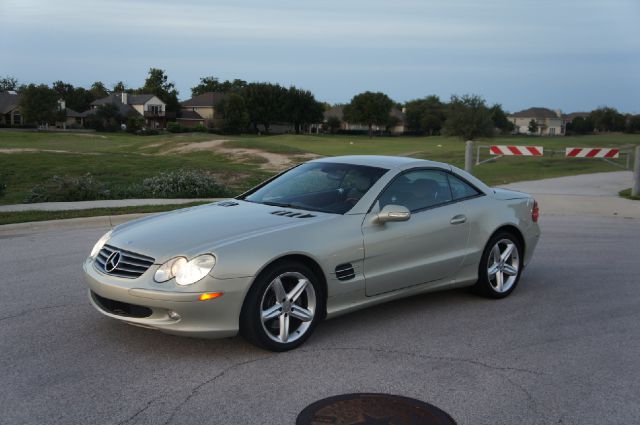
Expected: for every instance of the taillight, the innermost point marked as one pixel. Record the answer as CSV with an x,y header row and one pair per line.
x,y
535,212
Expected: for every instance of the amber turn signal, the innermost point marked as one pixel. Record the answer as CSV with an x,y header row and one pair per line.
x,y
210,295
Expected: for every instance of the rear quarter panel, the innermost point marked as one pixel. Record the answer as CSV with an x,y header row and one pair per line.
x,y
488,214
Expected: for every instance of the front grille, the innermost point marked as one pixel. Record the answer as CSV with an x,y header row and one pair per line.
x,y
130,264
121,308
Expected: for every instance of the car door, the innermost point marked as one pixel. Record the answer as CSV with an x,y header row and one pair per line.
x,y
430,246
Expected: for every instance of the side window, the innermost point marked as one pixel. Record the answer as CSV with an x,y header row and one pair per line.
x,y
417,190
461,189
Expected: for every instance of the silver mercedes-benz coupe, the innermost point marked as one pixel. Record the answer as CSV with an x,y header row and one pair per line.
x,y
324,238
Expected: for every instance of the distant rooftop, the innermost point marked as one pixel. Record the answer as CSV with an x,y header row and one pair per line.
x,y
9,100
536,112
208,99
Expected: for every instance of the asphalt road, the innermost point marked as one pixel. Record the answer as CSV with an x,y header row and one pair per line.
x,y
564,348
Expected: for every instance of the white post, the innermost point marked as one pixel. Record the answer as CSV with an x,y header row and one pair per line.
x,y
468,157
635,190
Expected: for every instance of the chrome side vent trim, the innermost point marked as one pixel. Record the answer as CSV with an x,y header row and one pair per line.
x,y
345,272
121,263
227,204
284,213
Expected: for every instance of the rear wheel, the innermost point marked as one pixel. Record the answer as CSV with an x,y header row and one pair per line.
x,y
282,307
500,266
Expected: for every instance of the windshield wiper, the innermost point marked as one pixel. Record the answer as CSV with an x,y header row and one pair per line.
x,y
281,204
289,205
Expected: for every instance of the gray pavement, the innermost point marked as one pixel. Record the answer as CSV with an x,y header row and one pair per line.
x,y
562,349
584,195
596,184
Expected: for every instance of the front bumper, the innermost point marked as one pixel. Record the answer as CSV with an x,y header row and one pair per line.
x,y
153,302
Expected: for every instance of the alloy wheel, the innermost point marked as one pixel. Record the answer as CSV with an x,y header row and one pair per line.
x,y
288,307
503,265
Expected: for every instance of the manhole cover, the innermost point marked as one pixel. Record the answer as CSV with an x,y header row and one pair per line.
x,y
378,409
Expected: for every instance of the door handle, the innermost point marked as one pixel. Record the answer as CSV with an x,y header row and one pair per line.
x,y
458,219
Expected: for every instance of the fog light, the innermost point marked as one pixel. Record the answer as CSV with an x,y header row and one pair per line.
x,y
173,315
209,295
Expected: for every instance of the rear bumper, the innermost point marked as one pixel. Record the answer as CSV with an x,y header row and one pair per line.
x,y
173,312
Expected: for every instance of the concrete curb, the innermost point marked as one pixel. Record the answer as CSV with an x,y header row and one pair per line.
x,y
108,203
70,223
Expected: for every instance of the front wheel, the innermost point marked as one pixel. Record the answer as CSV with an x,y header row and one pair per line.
x,y
282,307
500,266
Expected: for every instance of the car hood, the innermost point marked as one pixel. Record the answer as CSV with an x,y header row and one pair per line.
x,y
201,229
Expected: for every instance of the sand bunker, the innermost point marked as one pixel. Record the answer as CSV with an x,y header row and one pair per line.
x,y
273,161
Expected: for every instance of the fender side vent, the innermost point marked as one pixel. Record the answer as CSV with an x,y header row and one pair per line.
x,y
227,204
284,213
345,272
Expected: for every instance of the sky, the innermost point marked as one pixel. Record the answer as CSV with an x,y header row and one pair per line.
x,y
572,55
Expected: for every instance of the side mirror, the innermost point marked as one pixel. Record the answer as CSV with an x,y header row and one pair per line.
x,y
393,213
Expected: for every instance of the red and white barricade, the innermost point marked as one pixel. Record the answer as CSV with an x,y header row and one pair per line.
x,y
516,150
592,153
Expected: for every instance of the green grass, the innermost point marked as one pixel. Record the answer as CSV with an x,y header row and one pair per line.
x,y
119,159
627,194
28,216
451,150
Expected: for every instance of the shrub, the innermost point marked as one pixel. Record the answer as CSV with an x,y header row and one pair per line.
x,y
174,127
147,132
134,123
68,188
3,188
183,183
200,128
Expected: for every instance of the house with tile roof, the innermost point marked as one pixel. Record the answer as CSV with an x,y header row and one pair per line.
x,y
202,110
149,106
10,109
550,123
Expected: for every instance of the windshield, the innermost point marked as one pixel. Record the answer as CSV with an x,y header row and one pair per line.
x,y
318,186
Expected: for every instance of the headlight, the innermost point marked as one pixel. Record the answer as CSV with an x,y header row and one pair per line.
x,y
168,270
98,246
185,272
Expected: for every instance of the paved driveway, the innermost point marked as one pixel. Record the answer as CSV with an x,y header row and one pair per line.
x,y
585,195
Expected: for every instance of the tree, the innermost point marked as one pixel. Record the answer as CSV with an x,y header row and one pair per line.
x,y
369,108
301,108
265,103
533,126
333,124
607,119
121,87
64,90
234,111
106,118
580,125
80,99
211,84
500,120
8,83
99,90
158,83
425,115
38,104
633,124
468,117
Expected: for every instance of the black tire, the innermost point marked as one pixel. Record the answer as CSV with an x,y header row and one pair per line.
x,y
486,285
262,294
